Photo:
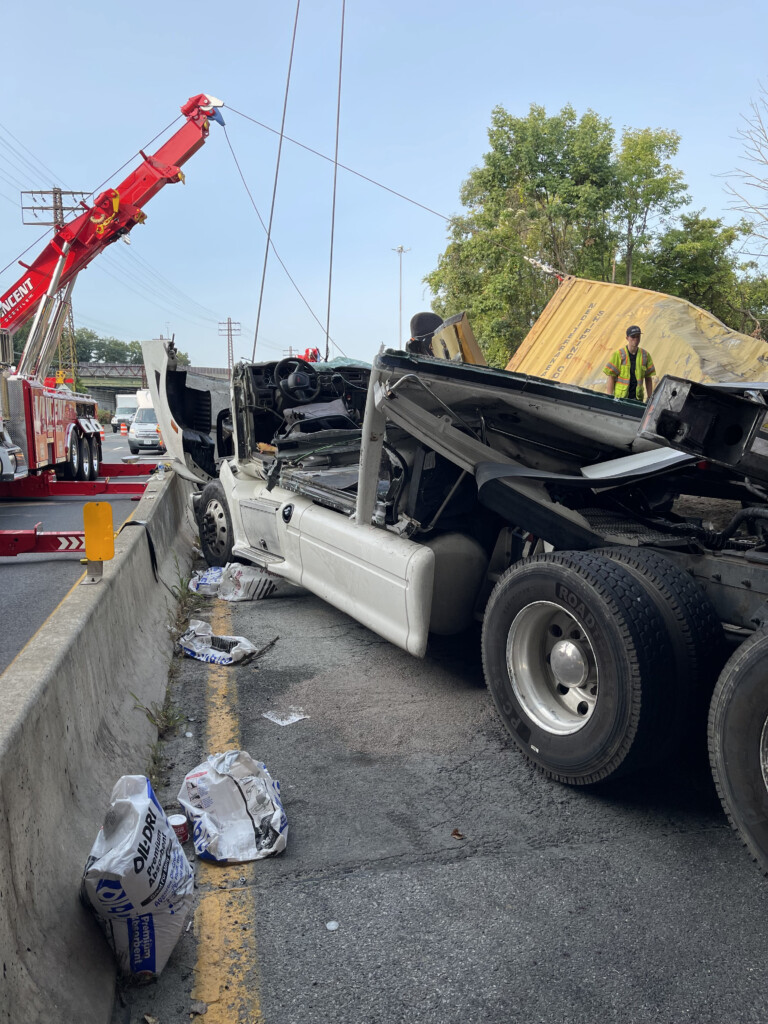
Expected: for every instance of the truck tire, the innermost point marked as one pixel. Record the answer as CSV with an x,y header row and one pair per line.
x,y
95,445
738,743
69,470
694,630
215,523
84,469
579,664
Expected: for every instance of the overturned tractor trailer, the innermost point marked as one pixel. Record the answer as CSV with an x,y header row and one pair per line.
x,y
49,432
616,554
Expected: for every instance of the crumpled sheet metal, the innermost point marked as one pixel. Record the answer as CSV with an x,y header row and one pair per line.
x,y
585,321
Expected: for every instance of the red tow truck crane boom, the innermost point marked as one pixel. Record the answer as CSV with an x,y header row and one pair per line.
x,y
48,432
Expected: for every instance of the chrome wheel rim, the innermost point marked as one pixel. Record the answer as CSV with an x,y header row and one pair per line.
x,y
215,522
95,460
552,668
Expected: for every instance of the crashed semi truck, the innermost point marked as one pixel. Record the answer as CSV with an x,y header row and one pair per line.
x,y
423,493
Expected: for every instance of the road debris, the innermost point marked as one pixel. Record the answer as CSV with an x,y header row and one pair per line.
x,y
332,926
137,880
206,582
237,582
200,642
235,808
291,716
457,835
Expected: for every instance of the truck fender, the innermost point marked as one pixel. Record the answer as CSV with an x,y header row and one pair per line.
x,y
89,425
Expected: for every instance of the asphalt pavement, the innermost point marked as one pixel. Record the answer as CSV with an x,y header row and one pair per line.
x,y
466,887
33,585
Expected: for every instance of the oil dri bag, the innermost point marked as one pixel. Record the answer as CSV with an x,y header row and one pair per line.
x,y
137,880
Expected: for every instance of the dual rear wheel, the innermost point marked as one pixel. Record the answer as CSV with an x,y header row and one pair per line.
x,y
83,458
597,661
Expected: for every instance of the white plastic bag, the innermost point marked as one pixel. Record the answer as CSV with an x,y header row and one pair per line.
x,y
235,809
199,641
206,581
250,583
137,879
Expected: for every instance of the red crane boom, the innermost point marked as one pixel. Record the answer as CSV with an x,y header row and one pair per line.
x,y
113,214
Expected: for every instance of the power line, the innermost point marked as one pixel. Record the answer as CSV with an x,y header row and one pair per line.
x,y
272,244
344,167
37,159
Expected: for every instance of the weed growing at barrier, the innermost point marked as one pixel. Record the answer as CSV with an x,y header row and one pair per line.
x,y
165,717
155,766
187,603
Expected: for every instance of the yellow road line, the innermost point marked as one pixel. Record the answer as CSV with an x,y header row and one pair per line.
x,y
226,972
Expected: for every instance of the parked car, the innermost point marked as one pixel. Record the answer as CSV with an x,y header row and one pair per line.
x,y
144,433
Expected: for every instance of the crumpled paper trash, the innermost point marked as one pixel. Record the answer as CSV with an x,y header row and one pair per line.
x,y
200,642
235,809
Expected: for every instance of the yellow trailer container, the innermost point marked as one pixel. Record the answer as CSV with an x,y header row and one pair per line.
x,y
585,321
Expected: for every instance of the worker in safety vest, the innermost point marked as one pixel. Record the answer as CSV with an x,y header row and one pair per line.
x,y
630,369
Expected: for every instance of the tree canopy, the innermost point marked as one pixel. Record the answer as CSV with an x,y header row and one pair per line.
x,y
562,190
91,347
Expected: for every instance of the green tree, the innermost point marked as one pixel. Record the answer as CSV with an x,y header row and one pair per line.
x,y
695,260
545,189
649,186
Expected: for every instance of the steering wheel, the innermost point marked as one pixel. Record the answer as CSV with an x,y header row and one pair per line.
x,y
297,379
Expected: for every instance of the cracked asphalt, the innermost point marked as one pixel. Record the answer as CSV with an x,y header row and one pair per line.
x,y
632,901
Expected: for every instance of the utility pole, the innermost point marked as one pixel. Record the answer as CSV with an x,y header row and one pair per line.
x,y
400,250
56,203
230,329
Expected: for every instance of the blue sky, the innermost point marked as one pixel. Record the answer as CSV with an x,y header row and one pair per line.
x,y
420,80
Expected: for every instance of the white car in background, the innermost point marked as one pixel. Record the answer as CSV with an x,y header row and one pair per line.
x,y
144,433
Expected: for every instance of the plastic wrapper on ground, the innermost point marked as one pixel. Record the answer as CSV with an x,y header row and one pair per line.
x,y
200,642
137,880
250,583
206,581
235,809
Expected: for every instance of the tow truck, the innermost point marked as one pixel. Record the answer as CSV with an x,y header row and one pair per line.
x,y
50,437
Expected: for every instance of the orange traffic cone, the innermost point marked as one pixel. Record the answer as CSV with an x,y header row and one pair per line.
x,y
101,433
123,428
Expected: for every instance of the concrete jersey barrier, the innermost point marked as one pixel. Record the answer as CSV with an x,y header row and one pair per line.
x,y
68,731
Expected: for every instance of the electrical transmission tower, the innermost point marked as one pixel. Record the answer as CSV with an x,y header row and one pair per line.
x,y
50,207
230,329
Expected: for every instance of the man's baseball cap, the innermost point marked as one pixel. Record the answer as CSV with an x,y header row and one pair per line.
x,y
634,331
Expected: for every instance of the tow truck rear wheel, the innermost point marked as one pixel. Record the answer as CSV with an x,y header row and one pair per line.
x,y
738,743
579,663
69,470
215,524
95,446
84,469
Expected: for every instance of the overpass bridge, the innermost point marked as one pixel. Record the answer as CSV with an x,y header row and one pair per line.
x,y
103,381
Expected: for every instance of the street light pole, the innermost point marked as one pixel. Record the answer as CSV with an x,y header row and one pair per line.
x,y
400,250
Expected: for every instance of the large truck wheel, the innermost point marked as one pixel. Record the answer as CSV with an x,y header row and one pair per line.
x,y
693,627
579,663
70,469
84,469
95,446
738,743
215,524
